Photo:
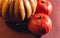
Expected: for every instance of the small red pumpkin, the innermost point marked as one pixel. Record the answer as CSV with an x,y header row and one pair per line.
x,y
44,6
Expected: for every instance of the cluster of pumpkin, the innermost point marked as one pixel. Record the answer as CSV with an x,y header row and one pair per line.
x,y
40,23
36,10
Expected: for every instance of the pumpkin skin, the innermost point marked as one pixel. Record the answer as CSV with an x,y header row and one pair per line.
x,y
17,10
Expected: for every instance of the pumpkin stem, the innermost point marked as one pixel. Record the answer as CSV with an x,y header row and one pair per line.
x,y
43,2
40,17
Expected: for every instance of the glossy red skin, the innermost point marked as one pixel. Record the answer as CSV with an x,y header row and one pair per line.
x,y
45,8
39,26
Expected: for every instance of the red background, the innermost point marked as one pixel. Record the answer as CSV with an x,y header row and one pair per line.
x,y
6,32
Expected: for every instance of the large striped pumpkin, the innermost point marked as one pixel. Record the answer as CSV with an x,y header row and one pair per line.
x,y
17,10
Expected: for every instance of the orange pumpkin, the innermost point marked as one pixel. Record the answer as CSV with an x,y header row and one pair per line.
x,y
17,10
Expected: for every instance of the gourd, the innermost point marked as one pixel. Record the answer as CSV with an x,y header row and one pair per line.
x,y
17,10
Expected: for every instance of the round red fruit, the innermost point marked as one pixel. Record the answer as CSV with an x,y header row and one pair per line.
x,y
44,6
39,24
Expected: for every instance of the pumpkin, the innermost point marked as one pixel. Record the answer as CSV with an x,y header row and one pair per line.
x,y
17,10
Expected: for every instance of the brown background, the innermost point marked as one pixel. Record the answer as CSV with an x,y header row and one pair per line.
x,y
6,32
